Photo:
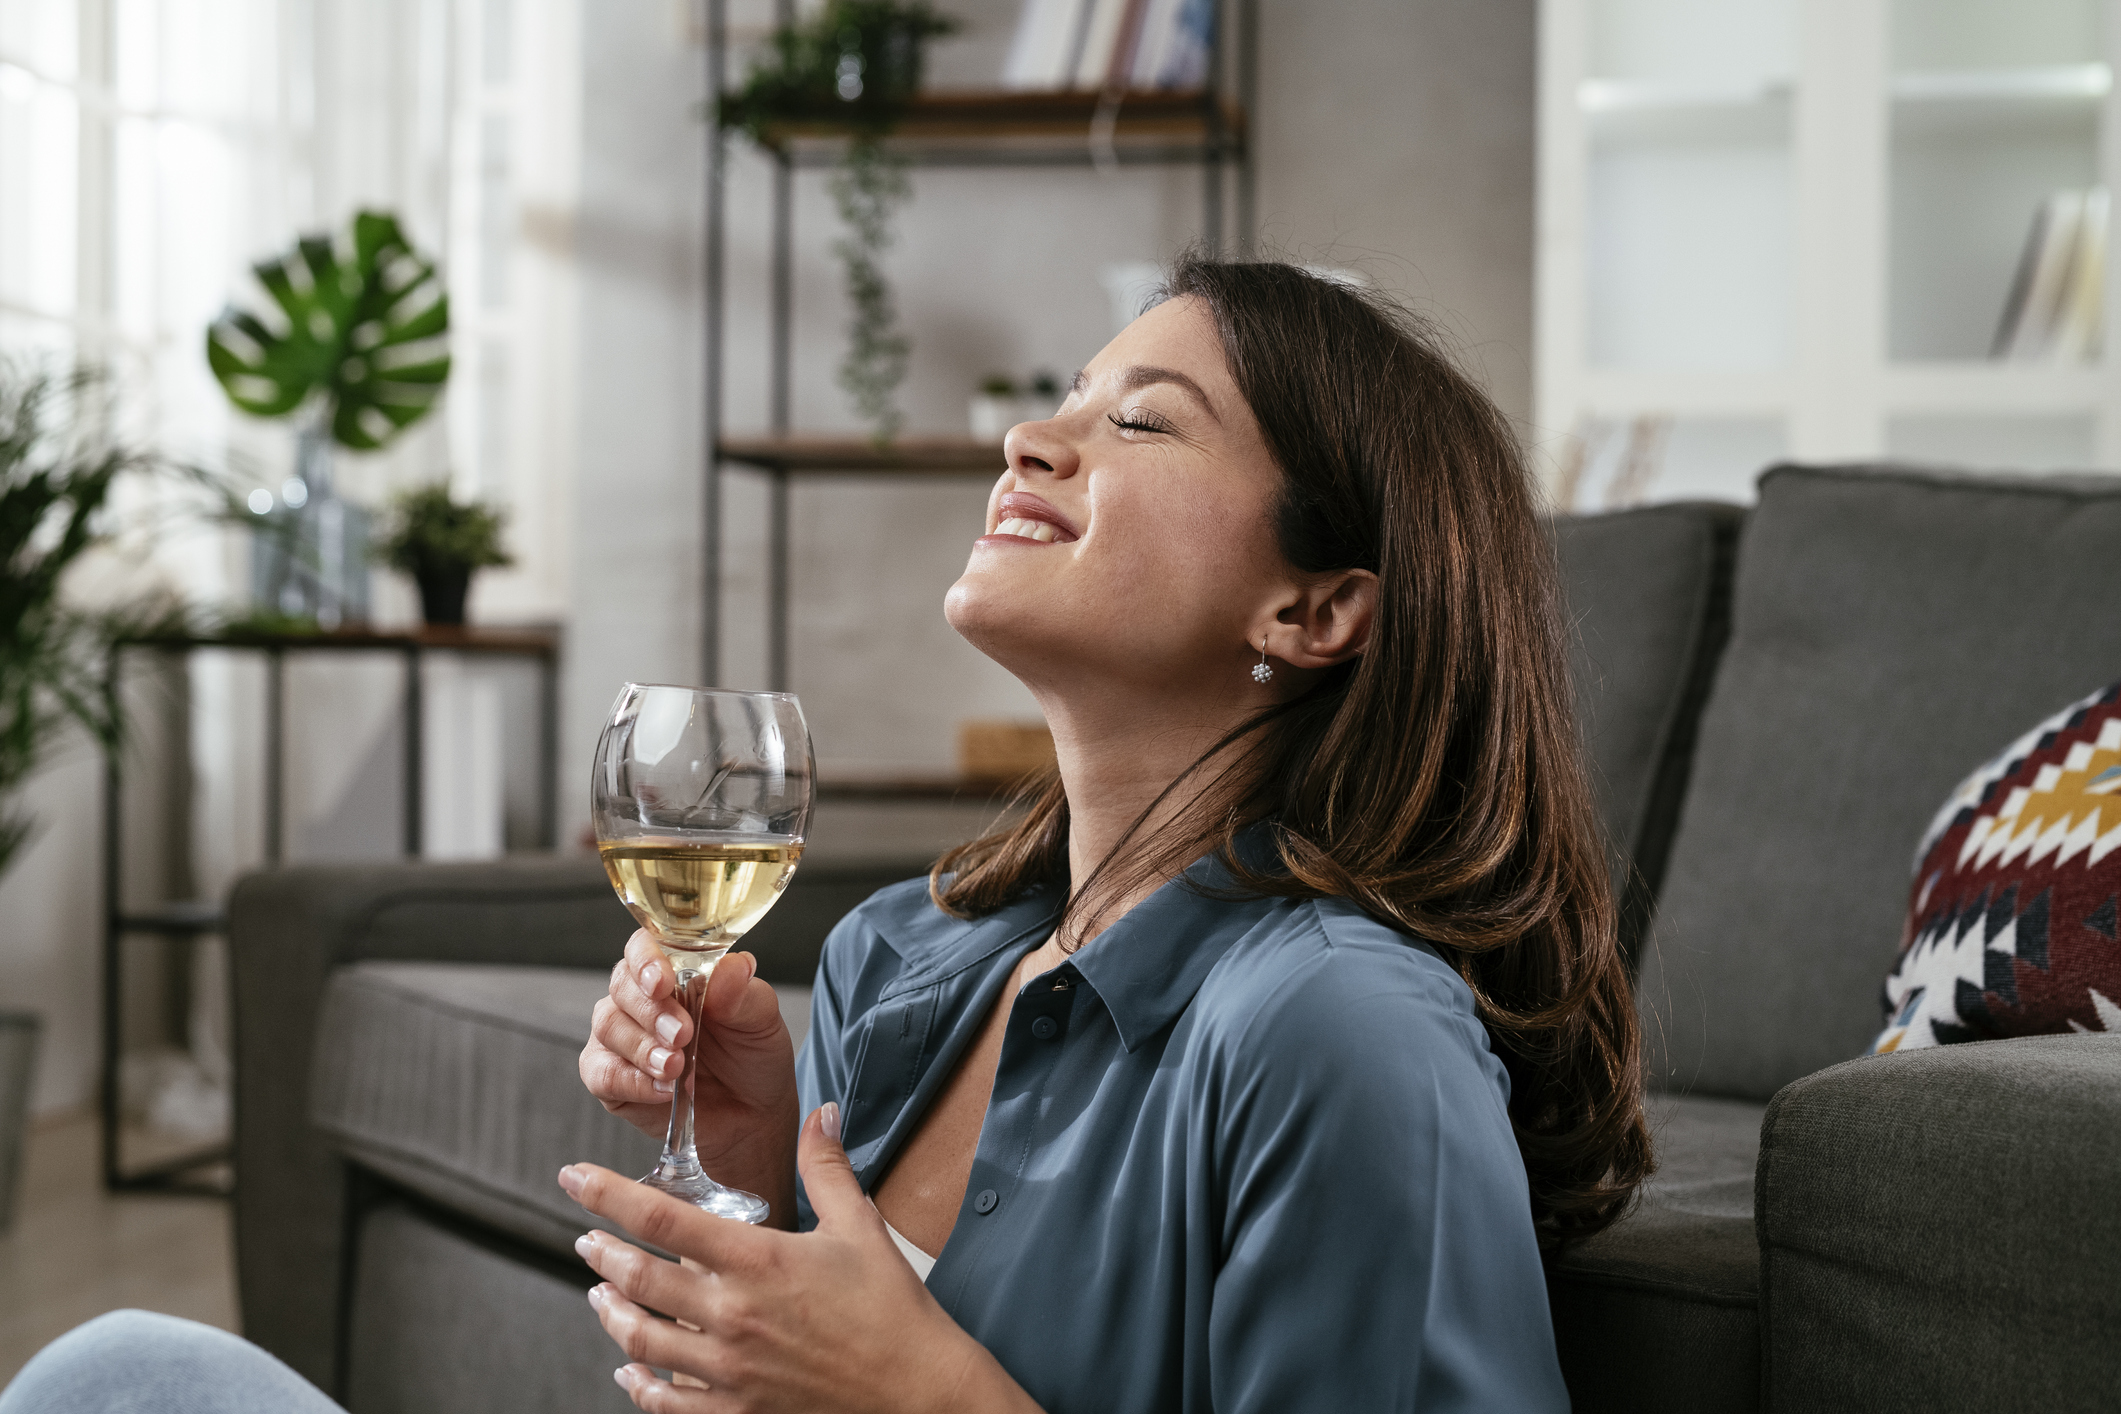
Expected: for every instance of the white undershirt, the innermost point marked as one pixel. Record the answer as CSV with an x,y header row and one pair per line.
x,y
920,1261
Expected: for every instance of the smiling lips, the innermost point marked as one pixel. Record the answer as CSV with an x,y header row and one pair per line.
x,y
1027,517
1043,531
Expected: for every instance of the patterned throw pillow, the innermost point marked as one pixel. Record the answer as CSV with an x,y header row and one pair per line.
x,y
2012,928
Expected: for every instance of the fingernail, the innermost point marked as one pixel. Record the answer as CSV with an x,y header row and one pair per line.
x,y
666,1087
583,1246
596,1294
624,1375
658,1059
650,976
667,1027
828,1119
571,1180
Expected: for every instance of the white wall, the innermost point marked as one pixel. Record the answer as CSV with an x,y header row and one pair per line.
x,y
51,933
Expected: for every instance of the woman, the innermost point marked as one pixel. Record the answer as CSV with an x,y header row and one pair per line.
x,y
1253,1064
1249,1068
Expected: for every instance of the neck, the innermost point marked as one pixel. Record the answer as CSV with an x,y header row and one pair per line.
x,y
1116,757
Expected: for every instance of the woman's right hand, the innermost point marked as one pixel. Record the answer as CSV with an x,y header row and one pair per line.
x,y
744,1100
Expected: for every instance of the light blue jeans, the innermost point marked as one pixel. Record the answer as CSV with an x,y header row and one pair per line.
x,y
136,1362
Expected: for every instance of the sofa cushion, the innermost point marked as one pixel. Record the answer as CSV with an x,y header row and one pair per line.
x,y
1658,1312
1938,1230
459,1082
1648,597
1888,628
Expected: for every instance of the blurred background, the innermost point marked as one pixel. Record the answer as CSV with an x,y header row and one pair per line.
x,y
1677,240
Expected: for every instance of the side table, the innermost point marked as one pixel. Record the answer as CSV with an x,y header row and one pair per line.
x,y
186,920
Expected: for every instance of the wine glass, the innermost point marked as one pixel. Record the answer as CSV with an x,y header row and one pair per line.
x,y
701,799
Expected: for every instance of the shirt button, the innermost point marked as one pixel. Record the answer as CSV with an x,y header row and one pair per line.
x,y
985,1202
1045,1028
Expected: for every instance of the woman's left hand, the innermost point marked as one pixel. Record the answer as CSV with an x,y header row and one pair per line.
x,y
829,1319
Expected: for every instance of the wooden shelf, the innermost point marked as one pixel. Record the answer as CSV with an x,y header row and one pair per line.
x,y
178,919
858,456
940,124
914,786
456,638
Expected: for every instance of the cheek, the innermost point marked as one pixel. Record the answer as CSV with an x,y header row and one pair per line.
x,y
1202,561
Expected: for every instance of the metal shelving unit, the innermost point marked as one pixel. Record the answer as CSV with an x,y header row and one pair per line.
x,y
1207,127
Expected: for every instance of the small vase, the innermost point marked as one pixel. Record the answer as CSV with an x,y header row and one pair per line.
x,y
309,558
442,591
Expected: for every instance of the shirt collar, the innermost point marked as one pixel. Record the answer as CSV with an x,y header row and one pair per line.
x,y
935,946
1145,967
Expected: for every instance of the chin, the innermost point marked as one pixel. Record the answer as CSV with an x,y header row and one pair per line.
x,y
970,608
984,617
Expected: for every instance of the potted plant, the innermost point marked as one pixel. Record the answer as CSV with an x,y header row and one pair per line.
x,y
440,541
355,349
852,67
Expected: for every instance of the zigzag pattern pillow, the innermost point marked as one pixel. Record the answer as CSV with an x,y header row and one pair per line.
x,y
2012,926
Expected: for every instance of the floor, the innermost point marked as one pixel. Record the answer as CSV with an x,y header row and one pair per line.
x,y
76,1251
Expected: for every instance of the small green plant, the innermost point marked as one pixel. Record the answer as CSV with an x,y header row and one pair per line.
x,y
56,475
998,385
854,66
428,530
356,333
439,541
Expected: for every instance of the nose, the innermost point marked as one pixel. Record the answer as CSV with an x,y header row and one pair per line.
x,y
1041,449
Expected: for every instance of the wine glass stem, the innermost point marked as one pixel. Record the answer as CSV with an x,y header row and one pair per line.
x,y
681,1156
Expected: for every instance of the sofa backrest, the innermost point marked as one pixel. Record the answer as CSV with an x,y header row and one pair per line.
x,y
1648,596
1891,629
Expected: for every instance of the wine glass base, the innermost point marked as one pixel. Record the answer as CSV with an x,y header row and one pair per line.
x,y
703,1192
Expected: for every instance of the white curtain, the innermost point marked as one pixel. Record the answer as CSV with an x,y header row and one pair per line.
x,y
150,150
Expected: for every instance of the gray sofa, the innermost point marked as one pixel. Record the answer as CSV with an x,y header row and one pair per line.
x,y
1774,705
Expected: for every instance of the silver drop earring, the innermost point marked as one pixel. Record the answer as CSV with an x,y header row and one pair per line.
x,y
1260,671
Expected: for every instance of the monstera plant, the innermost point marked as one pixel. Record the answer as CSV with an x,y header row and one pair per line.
x,y
357,335
355,347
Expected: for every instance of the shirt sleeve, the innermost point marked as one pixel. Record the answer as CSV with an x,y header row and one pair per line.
x,y
1377,1235
822,1065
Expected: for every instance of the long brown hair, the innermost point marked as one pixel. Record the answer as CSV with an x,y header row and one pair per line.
x,y
1436,781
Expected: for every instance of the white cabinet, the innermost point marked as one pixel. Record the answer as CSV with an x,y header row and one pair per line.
x,y
1789,228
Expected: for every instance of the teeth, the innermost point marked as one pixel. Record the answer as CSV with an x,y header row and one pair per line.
x,y
1045,532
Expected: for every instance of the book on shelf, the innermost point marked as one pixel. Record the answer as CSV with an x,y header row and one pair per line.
x,y
2056,308
1110,45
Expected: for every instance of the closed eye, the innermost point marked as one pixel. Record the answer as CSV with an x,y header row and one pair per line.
x,y
1139,420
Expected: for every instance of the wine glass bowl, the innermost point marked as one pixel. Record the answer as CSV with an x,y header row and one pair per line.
x,y
701,799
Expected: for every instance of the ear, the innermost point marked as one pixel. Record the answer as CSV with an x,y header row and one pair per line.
x,y
1328,621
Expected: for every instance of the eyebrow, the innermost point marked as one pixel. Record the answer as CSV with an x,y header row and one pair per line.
x,y
1142,375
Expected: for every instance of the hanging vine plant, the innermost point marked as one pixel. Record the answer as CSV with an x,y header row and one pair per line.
x,y
853,67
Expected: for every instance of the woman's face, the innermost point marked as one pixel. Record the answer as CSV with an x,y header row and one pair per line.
x,y
1131,539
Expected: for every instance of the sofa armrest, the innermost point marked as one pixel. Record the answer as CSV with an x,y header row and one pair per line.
x,y
288,930
1941,1228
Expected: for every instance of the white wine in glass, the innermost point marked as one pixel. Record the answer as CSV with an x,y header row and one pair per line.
x,y
701,799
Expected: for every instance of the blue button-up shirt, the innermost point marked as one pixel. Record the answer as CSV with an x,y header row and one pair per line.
x,y
1240,1155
